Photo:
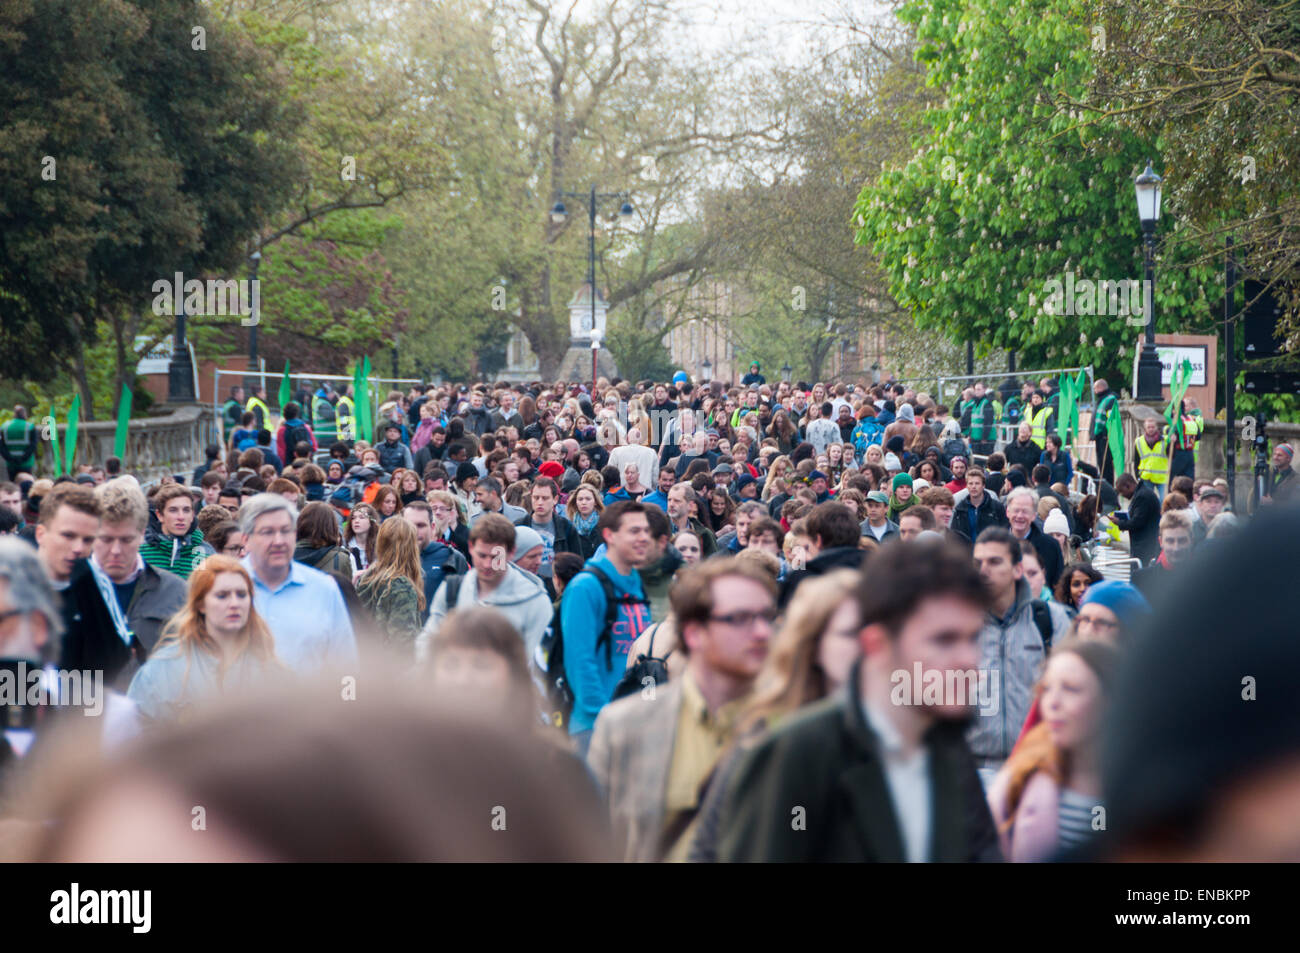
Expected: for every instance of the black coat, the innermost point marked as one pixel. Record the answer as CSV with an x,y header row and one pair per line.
x,y
1142,523
1049,553
567,537
991,513
1027,456
90,640
826,760
837,557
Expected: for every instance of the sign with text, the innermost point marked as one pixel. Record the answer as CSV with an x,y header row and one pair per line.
x,y
1173,355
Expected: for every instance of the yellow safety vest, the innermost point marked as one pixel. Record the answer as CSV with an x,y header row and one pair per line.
x,y
255,405
343,417
1039,423
1153,464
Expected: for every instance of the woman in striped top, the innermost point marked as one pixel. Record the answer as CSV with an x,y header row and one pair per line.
x,y
1047,797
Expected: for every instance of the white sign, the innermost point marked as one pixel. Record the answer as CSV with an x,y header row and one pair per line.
x,y
1171,355
157,360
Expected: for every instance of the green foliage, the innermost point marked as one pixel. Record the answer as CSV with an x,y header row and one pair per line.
x,y
1007,192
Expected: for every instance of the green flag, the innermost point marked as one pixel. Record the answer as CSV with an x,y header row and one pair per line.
x,y
1178,384
123,422
286,388
1066,422
74,415
1115,439
363,402
53,423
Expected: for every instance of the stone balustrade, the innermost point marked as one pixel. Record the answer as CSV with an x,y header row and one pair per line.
x,y
155,446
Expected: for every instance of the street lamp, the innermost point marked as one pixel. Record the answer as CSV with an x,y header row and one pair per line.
x,y
254,263
180,370
595,350
786,371
706,370
1147,185
559,214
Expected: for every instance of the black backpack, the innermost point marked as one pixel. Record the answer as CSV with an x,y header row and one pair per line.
x,y
294,434
558,690
1043,619
647,665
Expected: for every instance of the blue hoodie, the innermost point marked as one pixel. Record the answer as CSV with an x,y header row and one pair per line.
x,y
582,617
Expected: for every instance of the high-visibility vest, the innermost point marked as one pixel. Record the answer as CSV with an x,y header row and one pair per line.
x,y
1101,419
261,413
322,412
1038,421
1153,464
344,416
977,420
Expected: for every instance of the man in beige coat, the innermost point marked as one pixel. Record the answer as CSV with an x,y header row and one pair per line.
x,y
652,751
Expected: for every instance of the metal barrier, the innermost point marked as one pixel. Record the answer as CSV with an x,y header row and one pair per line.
x,y
378,386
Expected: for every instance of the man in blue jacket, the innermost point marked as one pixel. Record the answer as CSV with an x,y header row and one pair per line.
x,y
593,665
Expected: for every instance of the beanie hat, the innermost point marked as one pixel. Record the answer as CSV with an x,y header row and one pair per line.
x,y
552,469
817,475
1056,523
1121,598
680,377
919,484
466,471
901,479
526,539
892,463
744,481
894,444
570,481
1287,448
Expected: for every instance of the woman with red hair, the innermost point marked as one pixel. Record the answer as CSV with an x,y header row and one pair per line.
x,y
216,643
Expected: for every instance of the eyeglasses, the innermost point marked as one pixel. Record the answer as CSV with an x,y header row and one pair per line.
x,y
745,618
1103,624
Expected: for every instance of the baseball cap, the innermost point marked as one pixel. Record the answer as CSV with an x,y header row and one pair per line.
x,y
878,496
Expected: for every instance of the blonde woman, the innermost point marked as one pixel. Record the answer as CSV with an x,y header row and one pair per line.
x,y
873,454
450,520
216,643
392,589
777,472
639,419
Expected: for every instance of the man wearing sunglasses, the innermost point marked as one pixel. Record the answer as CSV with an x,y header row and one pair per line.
x,y
652,751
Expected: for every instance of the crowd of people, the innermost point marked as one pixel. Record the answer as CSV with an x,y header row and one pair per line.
x,y
717,623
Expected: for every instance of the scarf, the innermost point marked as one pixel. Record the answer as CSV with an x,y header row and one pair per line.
x,y
896,508
110,596
422,434
586,524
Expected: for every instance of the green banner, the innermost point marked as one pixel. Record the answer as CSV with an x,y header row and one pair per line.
x,y
1067,423
74,416
123,422
364,413
1179,381
286,388
1115,439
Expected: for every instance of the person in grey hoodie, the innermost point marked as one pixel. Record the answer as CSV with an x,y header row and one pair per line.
x,y
496,582
1012,648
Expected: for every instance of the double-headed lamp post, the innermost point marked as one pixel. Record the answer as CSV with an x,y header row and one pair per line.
x,y
1147,186
558,215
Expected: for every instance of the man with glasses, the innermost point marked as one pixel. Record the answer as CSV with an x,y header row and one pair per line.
x,y
302,606
1111,611
652,751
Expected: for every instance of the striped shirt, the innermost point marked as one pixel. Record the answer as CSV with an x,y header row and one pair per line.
x,y
1074,818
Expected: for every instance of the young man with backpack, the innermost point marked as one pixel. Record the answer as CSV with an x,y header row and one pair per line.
x,y
595,640
1017,633
493,581
293,430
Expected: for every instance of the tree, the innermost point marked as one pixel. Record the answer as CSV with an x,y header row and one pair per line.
x,y
1007,192
141,139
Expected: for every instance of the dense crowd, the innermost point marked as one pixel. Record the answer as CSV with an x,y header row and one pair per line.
x,y
703,622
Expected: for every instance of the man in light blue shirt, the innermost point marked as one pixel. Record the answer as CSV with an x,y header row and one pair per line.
x,y
302,606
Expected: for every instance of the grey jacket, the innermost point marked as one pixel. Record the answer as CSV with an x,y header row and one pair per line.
x,y
891,531
521,597
513,513
1011,657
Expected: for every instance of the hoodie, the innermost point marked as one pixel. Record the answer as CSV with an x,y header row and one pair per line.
x,y
582,616
520,596
178,554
